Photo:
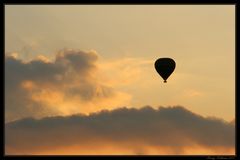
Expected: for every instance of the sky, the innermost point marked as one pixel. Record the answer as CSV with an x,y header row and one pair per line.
x,y
77,66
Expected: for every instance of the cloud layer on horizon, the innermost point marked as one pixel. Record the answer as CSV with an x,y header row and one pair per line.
x,y
166,130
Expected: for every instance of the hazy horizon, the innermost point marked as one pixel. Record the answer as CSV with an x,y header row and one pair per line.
x,y
92,61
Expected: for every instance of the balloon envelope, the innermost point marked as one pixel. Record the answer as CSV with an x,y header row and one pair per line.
x,y
165,67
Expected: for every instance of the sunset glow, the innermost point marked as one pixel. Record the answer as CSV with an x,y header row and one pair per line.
x,y
80,80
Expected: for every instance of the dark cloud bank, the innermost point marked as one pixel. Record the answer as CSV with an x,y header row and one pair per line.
x,y
173,127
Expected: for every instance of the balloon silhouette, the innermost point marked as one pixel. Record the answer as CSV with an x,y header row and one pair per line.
x,y
165,67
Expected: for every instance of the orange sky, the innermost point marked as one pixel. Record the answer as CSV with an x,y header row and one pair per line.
x,y
62,60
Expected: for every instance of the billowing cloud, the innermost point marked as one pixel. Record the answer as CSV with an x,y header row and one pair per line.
x,y
170,130
68,84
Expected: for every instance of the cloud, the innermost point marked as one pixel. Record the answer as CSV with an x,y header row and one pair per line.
x,y
41,87
125,71
166,130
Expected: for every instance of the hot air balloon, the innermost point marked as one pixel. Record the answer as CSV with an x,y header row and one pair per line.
x,y
165,67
